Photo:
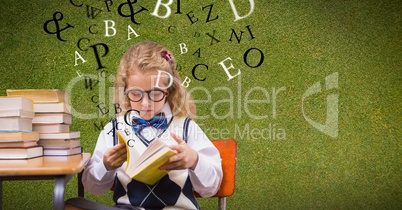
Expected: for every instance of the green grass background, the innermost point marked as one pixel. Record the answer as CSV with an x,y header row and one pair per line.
x,y
302,42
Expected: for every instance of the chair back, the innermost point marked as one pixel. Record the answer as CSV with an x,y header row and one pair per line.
x,y
228,151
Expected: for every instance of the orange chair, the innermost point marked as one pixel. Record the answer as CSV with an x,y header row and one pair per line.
x,y
228,151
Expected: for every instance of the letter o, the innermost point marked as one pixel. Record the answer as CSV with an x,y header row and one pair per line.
x,y
261,58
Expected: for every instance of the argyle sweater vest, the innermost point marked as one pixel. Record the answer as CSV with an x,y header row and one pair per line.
x,y
174,189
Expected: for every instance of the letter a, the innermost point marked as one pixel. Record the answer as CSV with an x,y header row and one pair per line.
x,y
78,56
237,17
131,31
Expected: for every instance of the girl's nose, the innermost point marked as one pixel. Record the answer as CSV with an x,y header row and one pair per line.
x,y
145,101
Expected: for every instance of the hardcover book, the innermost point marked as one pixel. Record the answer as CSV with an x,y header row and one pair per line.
x,y
51,128
62,151
17,113
52,118
70,135
52,107
12,103
59,143
18,136
15,124
21,153
40,95
18,144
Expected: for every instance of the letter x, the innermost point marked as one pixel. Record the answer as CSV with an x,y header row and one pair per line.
x,y
213,38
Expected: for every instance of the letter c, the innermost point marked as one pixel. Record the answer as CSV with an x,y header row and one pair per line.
x,y
127,115
128,142
102,74
71,1
170,28
117,125
194,71
90,29
93,99
79,44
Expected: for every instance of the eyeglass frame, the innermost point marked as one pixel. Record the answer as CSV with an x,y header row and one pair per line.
x,y
165,93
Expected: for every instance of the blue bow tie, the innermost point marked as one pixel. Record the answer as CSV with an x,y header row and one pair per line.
x,y
159,122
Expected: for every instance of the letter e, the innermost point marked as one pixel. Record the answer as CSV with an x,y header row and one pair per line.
x,y
227,68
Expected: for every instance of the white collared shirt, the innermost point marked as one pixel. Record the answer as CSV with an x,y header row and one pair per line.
x,y
205,178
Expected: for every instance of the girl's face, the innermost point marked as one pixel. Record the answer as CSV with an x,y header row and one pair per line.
x,y
140,84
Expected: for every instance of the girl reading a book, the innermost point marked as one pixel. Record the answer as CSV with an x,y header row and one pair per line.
x,y
148,89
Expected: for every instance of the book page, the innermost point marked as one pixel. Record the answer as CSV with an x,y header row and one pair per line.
x,y
156,149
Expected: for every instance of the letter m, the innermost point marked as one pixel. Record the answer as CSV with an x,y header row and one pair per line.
x,y
99,127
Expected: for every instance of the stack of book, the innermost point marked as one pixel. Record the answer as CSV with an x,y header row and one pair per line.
x,y
17,140
52,121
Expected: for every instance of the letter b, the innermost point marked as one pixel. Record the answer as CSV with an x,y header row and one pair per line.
x,y
183,48
107,27
166,5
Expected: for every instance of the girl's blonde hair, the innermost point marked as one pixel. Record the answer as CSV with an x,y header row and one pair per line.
x,y
151,56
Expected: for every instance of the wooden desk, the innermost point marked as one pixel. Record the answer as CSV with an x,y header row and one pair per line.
x,y
42,168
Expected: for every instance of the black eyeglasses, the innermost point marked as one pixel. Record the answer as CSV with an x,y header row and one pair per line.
x,y
154,95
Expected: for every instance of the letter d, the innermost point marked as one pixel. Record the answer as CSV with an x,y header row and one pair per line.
x,y
159,76
237,17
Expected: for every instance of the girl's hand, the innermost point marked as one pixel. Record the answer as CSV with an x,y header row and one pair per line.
x,y
115,157
185,157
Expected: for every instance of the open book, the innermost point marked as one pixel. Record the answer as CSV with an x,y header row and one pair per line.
x,y
146,168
